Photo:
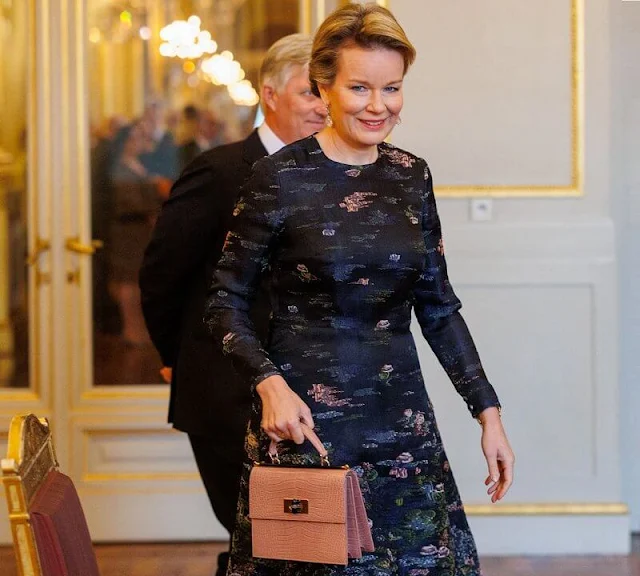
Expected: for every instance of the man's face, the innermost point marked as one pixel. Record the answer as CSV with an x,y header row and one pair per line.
x,y
296,112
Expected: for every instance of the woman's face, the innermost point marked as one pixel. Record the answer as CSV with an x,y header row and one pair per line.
x,y
365,99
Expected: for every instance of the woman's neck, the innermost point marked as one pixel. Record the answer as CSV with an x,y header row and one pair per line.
x,y
338,150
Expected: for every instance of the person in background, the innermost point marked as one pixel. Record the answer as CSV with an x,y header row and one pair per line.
x,y
345,227
161,157
106,316
211,131
137,197
190,147
208,401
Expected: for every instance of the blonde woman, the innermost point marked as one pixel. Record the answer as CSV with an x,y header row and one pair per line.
x,y
348,230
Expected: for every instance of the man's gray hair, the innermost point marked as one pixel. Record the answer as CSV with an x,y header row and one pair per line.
x,y
283,55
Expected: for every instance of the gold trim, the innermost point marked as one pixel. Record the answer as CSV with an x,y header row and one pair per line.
x,y
576,188
37,132
306,17
140,477
548,509
320,11
30,456
9,395
127,393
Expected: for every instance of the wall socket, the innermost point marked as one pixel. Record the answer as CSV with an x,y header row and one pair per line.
x,y
481,209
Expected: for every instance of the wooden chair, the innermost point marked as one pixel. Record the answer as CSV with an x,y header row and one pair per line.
x,y
50,533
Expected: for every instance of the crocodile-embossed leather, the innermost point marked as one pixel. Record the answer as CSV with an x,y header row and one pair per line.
x,y
329,528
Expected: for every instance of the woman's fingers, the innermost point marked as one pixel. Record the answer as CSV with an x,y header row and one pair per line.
x,y
273,435
494,471
295,431
507,479
305,415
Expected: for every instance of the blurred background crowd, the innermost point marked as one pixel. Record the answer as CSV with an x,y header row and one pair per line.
x,y
134,163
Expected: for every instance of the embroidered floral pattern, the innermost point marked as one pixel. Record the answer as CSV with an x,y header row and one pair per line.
x,y
398,157
357,201
412,215
304,274
240,206
327,395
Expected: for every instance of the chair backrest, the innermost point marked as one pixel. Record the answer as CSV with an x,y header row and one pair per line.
x,y
48,526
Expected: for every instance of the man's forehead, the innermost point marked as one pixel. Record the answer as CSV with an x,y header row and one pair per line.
x,y
297,73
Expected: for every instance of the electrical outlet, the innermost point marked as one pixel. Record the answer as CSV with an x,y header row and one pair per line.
x,y
481,209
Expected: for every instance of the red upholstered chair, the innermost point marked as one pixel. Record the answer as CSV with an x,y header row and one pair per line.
x,y
50,533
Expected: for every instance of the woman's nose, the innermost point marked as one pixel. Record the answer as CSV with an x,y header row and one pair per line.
x,y
376,103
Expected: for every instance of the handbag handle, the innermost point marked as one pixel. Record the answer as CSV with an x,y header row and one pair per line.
x,y
310,435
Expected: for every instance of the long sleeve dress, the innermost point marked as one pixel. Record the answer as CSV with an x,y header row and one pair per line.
x,y
350,252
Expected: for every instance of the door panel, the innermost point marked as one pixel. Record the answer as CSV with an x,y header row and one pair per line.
x,y
92,95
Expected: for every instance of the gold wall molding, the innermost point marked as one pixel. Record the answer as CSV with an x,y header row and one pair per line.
x,y
576,186
548,509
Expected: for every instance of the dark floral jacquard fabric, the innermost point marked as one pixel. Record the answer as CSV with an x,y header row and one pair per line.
x,y
351,251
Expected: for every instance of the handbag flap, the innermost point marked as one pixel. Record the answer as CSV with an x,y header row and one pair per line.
x,y
298,494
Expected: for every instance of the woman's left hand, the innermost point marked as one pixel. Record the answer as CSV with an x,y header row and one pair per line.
x,y
498,453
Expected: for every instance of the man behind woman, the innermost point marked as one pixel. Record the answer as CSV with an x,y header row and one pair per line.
x,y
208,400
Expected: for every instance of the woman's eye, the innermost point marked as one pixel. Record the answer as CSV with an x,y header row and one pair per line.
x,y
391,89
358,88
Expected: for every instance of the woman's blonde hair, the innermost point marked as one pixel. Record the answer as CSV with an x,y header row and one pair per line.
x,y
367,26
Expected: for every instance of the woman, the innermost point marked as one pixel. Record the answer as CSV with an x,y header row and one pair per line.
x,y
138,197
348,229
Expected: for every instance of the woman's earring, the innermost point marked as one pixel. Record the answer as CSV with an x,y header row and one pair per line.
x,y
398,121
329,120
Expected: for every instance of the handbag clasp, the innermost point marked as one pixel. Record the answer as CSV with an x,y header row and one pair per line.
x,y
296,506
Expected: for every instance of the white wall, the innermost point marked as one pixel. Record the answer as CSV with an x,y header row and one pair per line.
x,y
625,48
488,103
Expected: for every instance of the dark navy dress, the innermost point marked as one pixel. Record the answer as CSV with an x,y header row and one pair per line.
x,y
351,251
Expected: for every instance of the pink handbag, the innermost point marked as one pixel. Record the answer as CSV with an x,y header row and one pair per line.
x,y
307,514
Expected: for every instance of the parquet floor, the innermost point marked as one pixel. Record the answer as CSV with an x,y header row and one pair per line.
x,y
199,560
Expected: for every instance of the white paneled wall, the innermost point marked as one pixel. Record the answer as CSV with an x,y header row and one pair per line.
x,y
490,103
625,47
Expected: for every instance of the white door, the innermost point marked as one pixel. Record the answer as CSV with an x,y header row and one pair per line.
x,y
81,75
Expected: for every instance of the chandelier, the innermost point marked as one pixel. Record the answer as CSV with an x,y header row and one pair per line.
x,y
184,39
222,69
243,93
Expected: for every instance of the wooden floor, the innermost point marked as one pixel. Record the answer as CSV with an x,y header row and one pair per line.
x,y
199,560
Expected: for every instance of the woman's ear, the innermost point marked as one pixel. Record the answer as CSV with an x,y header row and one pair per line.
x,y
269,97
324,94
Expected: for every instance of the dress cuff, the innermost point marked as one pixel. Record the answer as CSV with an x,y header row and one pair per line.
x,y
269,371
483,397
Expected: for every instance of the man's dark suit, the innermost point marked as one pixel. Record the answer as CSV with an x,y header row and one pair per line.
x,y
208,401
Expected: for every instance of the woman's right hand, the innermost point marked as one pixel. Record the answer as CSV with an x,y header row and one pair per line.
x,y
282,410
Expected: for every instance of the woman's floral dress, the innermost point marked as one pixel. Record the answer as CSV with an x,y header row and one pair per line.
x,y
350,251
